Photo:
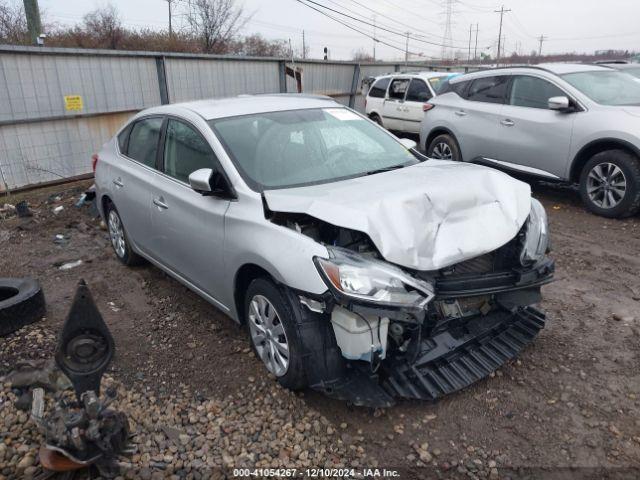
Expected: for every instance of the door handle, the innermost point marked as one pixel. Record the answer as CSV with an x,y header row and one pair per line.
x,y
118,182
159,202
507,122
460,113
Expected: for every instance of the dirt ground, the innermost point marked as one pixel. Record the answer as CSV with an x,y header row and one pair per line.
x,y
569,407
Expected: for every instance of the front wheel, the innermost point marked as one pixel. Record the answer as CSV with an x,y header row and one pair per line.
x,y
273,334
444,147
610,184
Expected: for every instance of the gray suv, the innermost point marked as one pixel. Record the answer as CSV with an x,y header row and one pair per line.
x,y
562,122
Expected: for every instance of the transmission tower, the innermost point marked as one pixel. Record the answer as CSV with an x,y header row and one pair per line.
x,y
447,39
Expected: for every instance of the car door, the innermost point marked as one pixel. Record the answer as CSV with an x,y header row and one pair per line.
x,y
477,117
417,94
187,227
376,96
133,178
393,107
533,136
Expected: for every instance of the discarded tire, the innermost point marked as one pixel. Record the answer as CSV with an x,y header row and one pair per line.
x,y
21,303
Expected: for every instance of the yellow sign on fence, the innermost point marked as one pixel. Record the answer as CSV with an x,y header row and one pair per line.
x,y
73,102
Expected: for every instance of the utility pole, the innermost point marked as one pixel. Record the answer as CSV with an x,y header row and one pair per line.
x,y
406,51
170,16
541,39
374,38
502,11
469,54
32,12
304,47
475,50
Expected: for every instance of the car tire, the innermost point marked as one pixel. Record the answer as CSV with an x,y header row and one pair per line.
x,y
604,177
283,330
119,239
444,147
21,303
376,118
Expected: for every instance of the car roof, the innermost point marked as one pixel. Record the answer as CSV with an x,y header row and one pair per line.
x,y
425,75
553,68
249,104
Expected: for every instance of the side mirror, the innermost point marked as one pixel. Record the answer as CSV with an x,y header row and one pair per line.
x,y
209,182
408,143
559,103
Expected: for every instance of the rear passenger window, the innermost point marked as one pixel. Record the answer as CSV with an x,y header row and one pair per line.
x,y
533,92
185,151
123,137
379,88
418,91
398,88
489,89
143,141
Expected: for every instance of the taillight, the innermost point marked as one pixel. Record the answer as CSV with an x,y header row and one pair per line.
x,y
94,161
428,106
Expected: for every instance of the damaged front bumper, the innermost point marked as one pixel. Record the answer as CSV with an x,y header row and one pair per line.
x,y
474,325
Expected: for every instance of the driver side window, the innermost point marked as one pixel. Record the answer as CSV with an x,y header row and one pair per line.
x,y
185,151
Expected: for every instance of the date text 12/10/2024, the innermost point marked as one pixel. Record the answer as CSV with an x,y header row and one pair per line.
x,y
315,473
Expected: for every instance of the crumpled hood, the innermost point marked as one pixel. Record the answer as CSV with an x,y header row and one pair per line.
x,y
425,217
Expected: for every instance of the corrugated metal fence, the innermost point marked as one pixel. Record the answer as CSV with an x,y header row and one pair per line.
x,y
57,106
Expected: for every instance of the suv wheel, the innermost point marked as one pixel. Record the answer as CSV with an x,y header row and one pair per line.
x,y
272,332
444,147
118,238
610,184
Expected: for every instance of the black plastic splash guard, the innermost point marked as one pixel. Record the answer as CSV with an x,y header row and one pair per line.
x,y
446,364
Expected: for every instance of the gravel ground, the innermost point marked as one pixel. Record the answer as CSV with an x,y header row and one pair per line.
x,y
201,403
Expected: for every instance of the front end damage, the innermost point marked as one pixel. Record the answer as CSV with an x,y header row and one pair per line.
x,y
383,332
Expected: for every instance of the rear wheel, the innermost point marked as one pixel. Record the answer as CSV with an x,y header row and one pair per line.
x,y
273,334
444,147
610,184
119,240
376,118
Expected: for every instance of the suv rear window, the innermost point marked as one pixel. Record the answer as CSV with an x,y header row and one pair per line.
x,y
379,88
488,89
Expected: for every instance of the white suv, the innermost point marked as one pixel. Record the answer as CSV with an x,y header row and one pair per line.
x,y
396,101
562,122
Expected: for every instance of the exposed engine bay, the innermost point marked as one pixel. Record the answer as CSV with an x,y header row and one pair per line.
x,y
478,316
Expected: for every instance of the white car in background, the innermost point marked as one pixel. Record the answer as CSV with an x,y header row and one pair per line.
x,y
396,101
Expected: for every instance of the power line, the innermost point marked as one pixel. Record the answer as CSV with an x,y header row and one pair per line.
x,y
356,29
366,22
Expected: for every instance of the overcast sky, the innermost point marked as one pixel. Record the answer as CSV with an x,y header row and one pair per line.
x,y
570,25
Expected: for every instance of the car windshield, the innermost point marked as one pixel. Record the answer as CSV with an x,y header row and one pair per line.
x,y
635,71
607,87
305,147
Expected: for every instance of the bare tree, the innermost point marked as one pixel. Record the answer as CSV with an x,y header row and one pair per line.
x,y
105,26
216,23
361,55
13,24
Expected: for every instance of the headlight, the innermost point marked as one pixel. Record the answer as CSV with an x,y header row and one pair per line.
x,y
537,235
356,277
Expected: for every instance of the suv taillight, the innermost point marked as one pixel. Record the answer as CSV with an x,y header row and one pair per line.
x,y
428,106
94,161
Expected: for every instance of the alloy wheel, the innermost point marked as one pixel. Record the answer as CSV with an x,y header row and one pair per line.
x,y
116,234
268,335
442,151
606,185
